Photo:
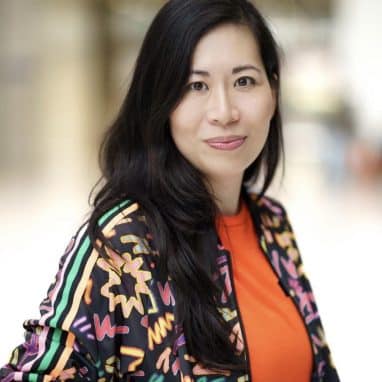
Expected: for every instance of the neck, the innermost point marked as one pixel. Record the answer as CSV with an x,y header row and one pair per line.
x,y
227,194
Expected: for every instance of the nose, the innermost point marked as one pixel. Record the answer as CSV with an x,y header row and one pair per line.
x,y
220,109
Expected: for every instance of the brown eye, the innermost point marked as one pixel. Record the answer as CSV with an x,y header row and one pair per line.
x,y
245,81
197,86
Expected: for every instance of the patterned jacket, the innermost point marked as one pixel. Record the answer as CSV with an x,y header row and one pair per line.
x,y
103,322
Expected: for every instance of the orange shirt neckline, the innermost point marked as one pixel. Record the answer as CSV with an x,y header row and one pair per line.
x,y
278,343
240,218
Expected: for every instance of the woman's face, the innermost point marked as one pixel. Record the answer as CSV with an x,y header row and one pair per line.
x,y
221,123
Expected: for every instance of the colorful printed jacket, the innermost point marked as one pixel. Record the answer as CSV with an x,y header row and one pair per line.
x,y
117,323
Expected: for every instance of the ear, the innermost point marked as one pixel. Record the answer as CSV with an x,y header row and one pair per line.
x,y
274,91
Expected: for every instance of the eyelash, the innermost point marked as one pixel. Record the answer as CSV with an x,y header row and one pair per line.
x,y
251,80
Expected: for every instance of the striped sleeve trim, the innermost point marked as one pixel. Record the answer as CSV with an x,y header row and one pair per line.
x,y
78,266
67,298
64,356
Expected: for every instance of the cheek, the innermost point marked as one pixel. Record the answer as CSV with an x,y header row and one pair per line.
x,y
262,110
270,105
184,122
182,132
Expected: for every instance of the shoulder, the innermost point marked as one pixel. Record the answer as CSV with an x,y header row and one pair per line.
x,y
270,214
267,205
122,225
120,214
82,263
125,227
124,212
276,227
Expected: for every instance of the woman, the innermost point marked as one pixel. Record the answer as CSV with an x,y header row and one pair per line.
x,y
182,273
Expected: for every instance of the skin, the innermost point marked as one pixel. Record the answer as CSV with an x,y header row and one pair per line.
x,y
221,103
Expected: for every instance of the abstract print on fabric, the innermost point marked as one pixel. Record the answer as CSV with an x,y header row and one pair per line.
x,y
114,319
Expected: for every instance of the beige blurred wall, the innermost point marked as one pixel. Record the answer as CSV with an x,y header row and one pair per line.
x,y
357,40
52,89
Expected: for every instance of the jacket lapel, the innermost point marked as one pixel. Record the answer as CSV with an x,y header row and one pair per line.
x,y
280,248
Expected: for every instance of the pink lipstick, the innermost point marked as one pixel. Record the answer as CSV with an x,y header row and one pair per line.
x,y
226,143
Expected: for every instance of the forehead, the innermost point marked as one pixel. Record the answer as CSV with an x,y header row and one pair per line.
x,y
226,44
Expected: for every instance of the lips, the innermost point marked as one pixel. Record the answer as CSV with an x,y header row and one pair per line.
x,y
229,138
226,143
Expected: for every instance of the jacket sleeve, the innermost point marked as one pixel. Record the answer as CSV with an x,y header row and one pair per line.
x,y
79,335
55,348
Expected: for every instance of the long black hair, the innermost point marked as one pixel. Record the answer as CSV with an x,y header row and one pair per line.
x,y
139,161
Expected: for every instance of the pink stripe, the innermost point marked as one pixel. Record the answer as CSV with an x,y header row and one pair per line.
x,y
221,259
79,321
85,328
13,377
41,346
53,294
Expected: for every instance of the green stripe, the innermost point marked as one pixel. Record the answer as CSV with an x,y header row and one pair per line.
x,y
45,362
111,212
47,359
74,270
32,377
69,280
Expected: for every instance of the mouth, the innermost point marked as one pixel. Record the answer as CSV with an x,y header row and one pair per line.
x,y
231,142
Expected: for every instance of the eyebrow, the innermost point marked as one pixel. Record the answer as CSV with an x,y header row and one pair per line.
x,y
236,69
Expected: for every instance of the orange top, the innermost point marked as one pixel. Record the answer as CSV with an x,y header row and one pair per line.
x,y
278,344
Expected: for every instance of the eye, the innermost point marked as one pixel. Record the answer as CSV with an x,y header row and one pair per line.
x,y
197,86
245,81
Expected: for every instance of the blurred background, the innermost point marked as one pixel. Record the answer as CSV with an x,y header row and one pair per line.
x,y
64,69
